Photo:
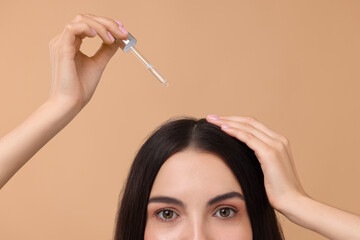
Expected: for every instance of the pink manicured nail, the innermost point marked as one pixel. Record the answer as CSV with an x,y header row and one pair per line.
x,y
118,22
93,30
123,30
224,126
213,117
111,36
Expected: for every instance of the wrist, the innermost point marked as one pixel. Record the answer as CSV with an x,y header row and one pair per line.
x,y
65,105
289,206
299,209
319,217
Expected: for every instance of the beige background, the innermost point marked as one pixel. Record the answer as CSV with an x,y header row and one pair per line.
x,y
294,65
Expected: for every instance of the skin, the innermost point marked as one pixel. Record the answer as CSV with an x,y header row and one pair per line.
x,y
75,77
194,178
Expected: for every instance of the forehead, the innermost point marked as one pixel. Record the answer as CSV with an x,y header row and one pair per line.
x,y
194,173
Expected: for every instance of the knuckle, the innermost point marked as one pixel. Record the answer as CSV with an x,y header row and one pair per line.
x,y
51,43
285,140
110,25
69,26
280,146
248,136
250,118
79,17
270,152
59,49
113,25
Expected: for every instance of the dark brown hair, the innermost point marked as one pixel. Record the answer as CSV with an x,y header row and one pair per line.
x,y
175,136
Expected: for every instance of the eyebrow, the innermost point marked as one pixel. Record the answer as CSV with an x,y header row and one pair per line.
x,y
219,198
225,196
170,200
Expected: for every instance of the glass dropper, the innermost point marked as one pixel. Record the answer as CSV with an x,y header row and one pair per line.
x,y
129,45
150,67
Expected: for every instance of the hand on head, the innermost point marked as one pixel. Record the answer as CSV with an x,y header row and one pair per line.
x,y
273,152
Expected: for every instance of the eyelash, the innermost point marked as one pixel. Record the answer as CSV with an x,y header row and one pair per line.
x,y
158,214
233,212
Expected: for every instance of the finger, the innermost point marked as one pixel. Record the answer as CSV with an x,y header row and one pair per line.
x,y
100,29
261,126
274,139
70,38
247,121
73,33
104,54
87,30
249,128
114,26
258,146
118,22
254,122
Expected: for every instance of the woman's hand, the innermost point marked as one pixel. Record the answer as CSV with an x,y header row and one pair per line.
x,y
282,184
75,75
274,154
74,80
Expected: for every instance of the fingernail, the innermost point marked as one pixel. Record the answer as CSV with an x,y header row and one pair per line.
x,y
123,30
213,117
118,22
224,126
93,30
111,36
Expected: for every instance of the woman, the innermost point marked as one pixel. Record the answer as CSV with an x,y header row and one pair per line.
x,y
191,180
219,178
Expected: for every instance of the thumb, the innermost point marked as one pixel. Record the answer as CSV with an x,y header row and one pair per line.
x,y
105,53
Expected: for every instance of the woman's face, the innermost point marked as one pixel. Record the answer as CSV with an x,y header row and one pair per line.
x,y
196,196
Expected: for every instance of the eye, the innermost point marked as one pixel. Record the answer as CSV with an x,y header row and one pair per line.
x,y
166,215
225,212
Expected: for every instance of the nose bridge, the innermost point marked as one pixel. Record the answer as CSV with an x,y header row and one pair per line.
x,y
198,228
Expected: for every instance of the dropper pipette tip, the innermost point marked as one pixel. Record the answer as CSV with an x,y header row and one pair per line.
x,y
149,66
